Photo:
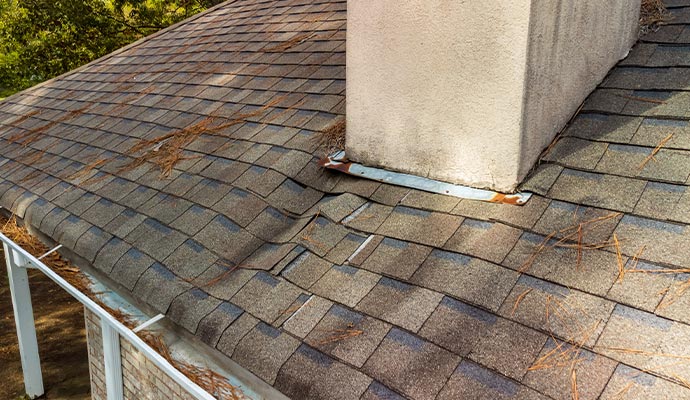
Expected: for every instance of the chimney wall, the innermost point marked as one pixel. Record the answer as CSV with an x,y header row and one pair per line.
x,y
471,92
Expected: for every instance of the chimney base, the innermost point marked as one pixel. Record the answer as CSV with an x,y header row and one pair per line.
x,y
471,92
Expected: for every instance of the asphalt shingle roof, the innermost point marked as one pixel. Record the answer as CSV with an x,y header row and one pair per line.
x,y
249,244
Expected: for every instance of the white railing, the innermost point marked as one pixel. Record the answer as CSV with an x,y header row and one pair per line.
x,y
18,261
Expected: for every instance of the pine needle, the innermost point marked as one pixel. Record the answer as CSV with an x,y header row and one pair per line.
x,y
337,335
661,271
619,257
636,259
579,247
626,350
653,13
527,264
166,151
518,300
569,232
681,380
621,393
643,99
288,44
573,385
655,151
221,276
674,296
332,138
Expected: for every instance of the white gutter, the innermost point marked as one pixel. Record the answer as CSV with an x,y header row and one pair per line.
x,y
18,260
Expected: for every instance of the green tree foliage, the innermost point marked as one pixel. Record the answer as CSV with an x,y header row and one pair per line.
x,y
40,39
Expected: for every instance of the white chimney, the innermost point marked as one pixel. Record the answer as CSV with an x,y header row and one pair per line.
x,y
469,91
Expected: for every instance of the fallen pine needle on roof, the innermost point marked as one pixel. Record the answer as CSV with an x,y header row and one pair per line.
x,y
579,247
643,99
621,393
288,44
655,151
306,236
295,308
627,350
84,172
337,335
585,246
561,356
30,136
527,264
518,300
659,369
661,271
571,231
636,259
573,384
569,351
167,150
674,295
619,259
681,380
230,269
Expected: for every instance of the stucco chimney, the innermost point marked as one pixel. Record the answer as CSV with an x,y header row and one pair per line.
x,y
471,92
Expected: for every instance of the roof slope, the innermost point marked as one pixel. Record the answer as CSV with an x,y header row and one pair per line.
x,y
184,167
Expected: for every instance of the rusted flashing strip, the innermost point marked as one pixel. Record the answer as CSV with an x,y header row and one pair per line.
x,y
339,162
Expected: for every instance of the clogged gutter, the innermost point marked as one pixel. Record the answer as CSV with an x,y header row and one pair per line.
x,y
211,381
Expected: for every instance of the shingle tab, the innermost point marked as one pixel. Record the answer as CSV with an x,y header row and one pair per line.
x,y
396,258
427,367
158,286
217,321
227,239
347,335
509,348
264,350
189,308
487,240
266,296
533,303
401,304
466,278
345,284
472,381
327,378
598,190
420,226
457,326
592,372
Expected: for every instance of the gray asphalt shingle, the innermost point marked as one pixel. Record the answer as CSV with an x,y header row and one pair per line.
x,y
417,368
265,255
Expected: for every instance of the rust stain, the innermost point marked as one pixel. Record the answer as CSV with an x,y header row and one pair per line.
x,y
506,199
338,166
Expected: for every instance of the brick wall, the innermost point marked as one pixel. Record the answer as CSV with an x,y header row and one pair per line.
x,y
141,378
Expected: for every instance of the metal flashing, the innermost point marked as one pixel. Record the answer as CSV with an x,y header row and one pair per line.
x,y
338,161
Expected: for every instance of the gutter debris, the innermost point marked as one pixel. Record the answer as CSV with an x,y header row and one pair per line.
x,y
208,379
338,161
653,14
